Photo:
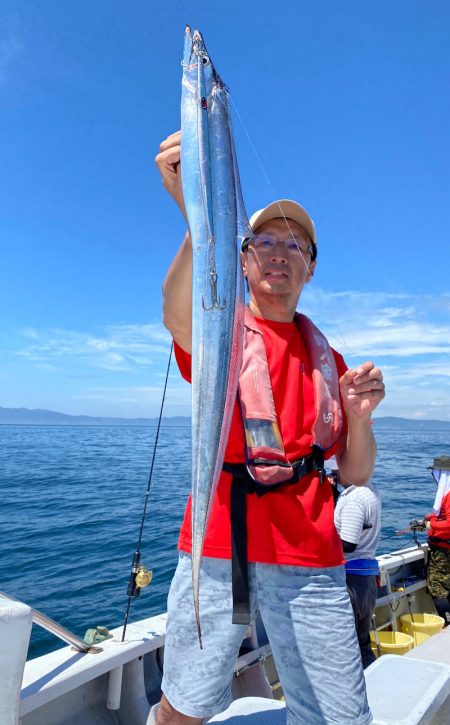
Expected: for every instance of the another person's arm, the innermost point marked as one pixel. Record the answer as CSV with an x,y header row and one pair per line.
x,y
347,546
351,523
440,525
362,389
177,286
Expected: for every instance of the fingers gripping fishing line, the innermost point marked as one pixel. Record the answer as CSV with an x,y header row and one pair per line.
x,y
337,328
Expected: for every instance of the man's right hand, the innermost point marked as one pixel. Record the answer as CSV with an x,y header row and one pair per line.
x,y
168,162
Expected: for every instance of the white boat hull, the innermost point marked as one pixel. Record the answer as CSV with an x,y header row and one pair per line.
x,y
121,683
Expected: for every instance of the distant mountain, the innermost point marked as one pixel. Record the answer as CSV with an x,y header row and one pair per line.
x,y
24,416
410,423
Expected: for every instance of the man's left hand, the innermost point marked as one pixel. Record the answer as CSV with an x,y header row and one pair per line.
x,y
362,389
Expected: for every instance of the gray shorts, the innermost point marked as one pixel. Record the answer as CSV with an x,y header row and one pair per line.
x,y
310,625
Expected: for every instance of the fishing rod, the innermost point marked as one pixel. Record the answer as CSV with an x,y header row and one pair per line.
x,y
140,576
415,526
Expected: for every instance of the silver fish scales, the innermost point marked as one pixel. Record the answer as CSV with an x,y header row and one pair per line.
x,y
215,211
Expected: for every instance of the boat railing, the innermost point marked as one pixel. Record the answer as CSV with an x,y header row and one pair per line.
x,y
57,629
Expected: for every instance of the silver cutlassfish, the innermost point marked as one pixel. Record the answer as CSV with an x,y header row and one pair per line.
x,y
216,216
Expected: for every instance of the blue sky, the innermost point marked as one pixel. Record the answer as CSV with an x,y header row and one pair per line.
x,y
347,104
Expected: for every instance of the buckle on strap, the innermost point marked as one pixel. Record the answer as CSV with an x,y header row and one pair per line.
x,y
318,458
315,461
302,467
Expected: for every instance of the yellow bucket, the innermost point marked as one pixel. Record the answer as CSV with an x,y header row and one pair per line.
x,y
391,643
421,626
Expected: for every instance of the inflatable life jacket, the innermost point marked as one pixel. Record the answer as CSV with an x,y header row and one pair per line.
x,y
267,466
265,456
440,470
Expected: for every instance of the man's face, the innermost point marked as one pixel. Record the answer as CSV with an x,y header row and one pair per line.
x,y
276,269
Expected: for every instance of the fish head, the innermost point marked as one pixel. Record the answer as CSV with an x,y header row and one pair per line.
x,y
195,52
194,47
199,47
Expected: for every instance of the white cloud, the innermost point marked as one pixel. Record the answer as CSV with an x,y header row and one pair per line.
x,y
100,345
407,335
381,325
418,372
121,348
137,400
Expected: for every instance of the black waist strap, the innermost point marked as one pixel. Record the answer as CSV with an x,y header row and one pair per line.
x,y
242,485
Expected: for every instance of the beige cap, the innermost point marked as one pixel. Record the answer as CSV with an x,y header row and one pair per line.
x,y
284,208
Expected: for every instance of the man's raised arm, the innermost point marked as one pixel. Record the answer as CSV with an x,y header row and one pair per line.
x,y
177,286
362,389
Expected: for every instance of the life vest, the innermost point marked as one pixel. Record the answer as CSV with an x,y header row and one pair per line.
x,y
265,456
267,466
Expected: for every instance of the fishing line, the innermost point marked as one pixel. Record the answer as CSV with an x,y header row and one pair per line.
x,y
270,185
140,576
395,535
266,176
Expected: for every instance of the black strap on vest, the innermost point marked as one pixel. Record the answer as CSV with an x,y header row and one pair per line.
x,y
241,486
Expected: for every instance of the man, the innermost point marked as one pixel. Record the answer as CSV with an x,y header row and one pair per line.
x,y
357,518
295,575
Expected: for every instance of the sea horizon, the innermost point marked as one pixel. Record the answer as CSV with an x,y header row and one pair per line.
x,y
44,416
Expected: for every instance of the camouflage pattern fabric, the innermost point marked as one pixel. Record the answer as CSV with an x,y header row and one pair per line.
x,y
438,576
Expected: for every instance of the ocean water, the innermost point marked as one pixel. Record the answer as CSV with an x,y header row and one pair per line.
x,y
72,500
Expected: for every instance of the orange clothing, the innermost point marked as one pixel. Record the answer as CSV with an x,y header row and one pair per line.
x,y
295,523
440,525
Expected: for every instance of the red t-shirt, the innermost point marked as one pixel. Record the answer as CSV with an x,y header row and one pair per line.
x,y
295,523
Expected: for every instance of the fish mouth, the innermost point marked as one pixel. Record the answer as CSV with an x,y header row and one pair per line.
x,y
194,47
199,47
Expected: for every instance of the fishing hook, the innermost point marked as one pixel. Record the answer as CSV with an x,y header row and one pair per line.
x,y
216,302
